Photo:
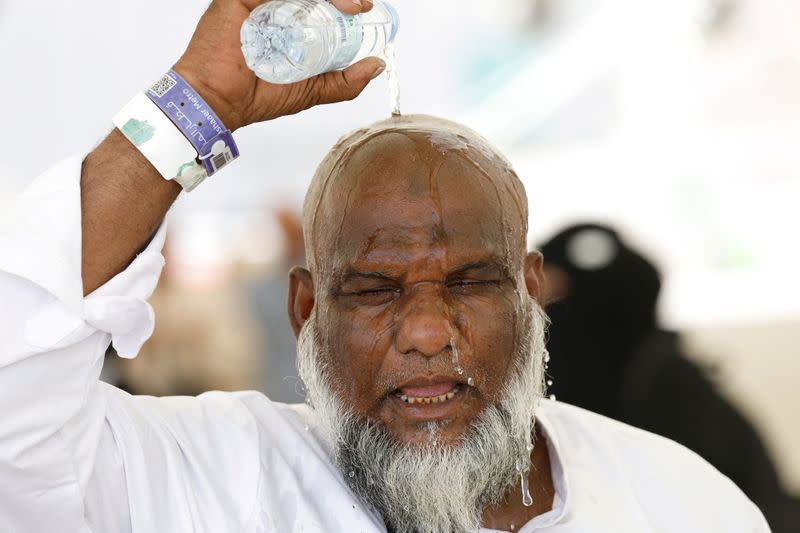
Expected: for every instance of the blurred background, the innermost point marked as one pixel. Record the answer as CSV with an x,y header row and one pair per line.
x,y
677,123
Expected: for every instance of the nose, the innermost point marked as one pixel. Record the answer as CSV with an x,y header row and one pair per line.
x,y
424,324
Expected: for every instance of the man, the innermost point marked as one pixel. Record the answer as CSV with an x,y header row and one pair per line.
x,y
420,344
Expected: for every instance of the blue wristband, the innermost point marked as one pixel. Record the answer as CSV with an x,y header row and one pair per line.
x,y
196,120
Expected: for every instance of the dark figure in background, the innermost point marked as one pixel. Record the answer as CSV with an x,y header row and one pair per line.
x,y
609,356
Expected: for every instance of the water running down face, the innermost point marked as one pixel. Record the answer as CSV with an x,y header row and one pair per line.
x,y
421,341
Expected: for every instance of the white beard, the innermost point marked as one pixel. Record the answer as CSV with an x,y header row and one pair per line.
x,y
434,488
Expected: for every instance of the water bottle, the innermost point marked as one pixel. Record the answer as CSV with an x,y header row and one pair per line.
x,y
284,41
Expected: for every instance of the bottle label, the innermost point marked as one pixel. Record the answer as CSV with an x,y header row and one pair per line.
x,y
350,35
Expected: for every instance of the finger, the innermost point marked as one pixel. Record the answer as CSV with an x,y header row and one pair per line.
x,y
352,7
345,84
251,4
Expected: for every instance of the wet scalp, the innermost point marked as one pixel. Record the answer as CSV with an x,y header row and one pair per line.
x,y
434,140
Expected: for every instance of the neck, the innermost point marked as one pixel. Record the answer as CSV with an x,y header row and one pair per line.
x,y
511,514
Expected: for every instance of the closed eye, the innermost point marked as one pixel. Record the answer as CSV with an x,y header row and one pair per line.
x,y
379,290
465,284
374,296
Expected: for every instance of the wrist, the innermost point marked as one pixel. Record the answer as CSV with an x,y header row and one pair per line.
x,y
231,117
178,131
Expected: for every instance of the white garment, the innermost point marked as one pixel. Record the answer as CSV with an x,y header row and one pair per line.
x,y
77,455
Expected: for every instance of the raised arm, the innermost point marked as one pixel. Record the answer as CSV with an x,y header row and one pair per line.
x,y
124,198
79,256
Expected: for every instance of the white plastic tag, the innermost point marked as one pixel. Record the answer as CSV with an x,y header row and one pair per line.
x,y
157,138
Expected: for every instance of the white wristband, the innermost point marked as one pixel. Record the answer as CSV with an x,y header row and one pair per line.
x,y
163,144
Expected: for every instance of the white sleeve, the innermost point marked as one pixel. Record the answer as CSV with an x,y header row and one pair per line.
x,y
52,344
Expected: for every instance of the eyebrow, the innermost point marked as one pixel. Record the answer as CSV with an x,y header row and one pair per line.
x,y
493,263
351,274
486,264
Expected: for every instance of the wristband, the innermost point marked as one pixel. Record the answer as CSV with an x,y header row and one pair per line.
x,y
156,137
196,120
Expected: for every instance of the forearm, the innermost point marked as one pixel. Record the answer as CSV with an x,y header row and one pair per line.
x,y
124,198
123,201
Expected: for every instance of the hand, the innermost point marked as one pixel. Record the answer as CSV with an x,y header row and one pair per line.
x,y
214,65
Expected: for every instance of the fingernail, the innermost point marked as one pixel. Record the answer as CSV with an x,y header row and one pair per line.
x,y
378,71
357,2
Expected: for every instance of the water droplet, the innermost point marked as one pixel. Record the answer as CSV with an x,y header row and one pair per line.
x,y
352,474
549,382
305,427
527,499
553,397
529,447
459,370
546,357
470,382
512,527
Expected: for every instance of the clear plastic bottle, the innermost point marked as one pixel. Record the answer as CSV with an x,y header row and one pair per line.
x,y
284,41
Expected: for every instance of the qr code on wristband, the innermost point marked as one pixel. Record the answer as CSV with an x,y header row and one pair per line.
x,y
162,86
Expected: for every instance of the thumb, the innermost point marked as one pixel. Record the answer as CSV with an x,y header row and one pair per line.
x,y
346,84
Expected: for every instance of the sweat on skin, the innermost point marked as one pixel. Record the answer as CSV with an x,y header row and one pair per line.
x,y
419,284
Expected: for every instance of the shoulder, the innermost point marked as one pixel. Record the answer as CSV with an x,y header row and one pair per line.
x,y
668,481
244,419
186,452
212,452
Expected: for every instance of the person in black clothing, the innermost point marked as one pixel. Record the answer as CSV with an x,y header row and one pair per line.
x,y
608,355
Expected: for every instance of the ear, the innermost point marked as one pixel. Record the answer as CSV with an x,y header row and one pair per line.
x,y
534,275
301,297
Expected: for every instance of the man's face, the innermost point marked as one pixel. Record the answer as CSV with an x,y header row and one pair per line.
x,y
418,307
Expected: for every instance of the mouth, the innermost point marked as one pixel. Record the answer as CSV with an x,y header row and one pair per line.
x,y
429,399
438,393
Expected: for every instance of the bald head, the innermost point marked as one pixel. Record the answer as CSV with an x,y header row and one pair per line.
x,y
436,178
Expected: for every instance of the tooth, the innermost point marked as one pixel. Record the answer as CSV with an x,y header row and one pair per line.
x,y
435,399
427,400
404,397
450,395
